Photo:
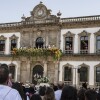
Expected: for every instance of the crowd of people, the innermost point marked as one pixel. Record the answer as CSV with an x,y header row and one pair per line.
x,y
60,91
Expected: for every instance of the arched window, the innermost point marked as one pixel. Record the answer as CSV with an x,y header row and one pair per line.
x,y
67,74
2,44
84,44
98,44
12,71
68,45
13,44
83,74
37,73
98,74
39,42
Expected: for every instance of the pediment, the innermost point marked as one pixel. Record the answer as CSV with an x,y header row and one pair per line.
x,y
11,64
2,37
84,33
40,13
84,65
68,65
97,33
13,37
69,34
98,65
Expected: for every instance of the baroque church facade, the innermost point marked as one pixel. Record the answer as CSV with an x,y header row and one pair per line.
x,y
77,37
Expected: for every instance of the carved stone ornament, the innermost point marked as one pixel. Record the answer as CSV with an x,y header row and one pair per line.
x,y
2,37
68,34
97,33
68,65
39,33
84,33
40,11
13,37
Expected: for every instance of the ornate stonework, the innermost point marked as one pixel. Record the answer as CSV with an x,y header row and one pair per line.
x,y
43,24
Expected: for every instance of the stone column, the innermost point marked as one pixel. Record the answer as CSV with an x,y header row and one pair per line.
x,y
76,45
56,77
7,46
18,71
28,74
45,68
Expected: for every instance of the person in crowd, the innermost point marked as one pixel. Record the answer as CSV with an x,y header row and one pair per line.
x,y
90,95
10,80
98,94
69,93
42,90
55,87
35,97
59,91
49,94
31,90
6,92
19,88
81,92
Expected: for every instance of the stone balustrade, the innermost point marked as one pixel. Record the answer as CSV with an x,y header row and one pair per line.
x,y
50,21
80,19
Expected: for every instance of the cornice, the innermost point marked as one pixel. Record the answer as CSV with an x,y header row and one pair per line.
x,y
17,26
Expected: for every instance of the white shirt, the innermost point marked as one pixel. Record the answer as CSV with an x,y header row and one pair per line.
x,y
7,93
58,94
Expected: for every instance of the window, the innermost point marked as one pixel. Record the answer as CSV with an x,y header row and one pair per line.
x,y
13,44
83,74
68,44
39,42
2,45
67,74
97,74
12,71
84,44
98,44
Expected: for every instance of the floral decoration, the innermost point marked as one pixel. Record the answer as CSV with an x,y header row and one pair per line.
x,y
43,80
37,52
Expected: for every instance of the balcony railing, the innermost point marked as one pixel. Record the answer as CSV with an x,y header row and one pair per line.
x,y
98,51
18,24
84,51
68,82
68,51
49,21
80,19
1,52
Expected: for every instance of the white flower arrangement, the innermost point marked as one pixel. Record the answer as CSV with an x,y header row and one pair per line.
x,y
43,80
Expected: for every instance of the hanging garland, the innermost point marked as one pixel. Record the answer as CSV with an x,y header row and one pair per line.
x,y
37,52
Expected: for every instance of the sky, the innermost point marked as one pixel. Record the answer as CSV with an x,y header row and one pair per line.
x,y
12,10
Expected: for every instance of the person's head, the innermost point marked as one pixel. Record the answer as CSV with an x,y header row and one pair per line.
x,y
19,88
4,74
90,95
60,85
84,85
42,90
49,94
69,93
35,97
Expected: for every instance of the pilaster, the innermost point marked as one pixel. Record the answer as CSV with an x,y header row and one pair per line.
x,y
45,68
56,77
